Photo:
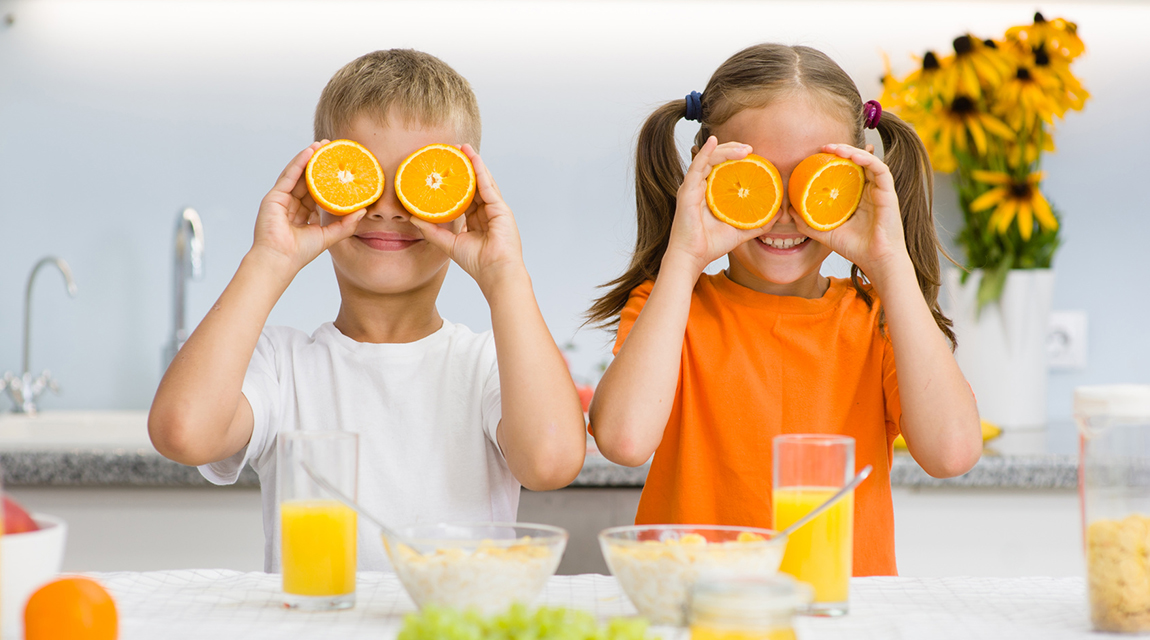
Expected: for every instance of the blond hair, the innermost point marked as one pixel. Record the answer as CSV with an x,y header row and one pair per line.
x,y
756,77
421,88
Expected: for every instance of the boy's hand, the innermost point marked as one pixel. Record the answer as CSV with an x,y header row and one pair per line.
x,y
288,224
488,246
696,234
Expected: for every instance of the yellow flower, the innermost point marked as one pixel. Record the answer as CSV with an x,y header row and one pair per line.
x,y
1012,198
1059,37
923,83
1028,95
974,68
955,126
1070,93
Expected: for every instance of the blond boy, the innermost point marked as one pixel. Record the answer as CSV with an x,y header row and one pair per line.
x,y
451,422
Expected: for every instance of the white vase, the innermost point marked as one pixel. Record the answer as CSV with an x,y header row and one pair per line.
x,y
1002,351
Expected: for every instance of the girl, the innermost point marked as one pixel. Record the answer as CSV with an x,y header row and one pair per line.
x,y
709,368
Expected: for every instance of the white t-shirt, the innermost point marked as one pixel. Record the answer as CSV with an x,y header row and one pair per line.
x,y
426,413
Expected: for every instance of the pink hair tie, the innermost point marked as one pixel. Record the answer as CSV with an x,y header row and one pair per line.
x,y
872,113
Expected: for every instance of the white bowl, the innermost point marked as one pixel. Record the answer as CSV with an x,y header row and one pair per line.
x,y
485,566
27,561
656,565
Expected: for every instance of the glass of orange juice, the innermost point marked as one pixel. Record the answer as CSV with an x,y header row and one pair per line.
x,y
317,532
809,469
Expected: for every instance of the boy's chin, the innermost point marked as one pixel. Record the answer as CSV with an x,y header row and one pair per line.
x,y
388,279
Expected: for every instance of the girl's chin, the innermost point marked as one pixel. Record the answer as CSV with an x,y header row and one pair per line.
x,y
771,271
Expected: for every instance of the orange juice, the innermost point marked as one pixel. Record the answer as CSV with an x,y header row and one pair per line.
x,y
819,553
317,547
704,632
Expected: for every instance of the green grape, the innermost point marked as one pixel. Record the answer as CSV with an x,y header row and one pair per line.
x,y
517,623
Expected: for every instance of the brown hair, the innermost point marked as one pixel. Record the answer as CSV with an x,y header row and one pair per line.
x,y
752,78
420,86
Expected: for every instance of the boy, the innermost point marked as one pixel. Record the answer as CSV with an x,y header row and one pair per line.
x,y
451,423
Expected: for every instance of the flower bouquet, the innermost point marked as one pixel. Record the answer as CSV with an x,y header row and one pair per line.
x,y
987,114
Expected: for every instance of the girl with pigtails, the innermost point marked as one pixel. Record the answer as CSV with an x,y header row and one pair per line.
x,y
709,368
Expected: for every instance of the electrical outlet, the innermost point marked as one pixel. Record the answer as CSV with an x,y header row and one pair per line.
x,y
1066,340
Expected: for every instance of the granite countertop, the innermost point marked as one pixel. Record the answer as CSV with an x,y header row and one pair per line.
x,y
111,448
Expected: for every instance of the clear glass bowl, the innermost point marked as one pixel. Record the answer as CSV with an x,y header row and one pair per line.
x,y
656,565
484,565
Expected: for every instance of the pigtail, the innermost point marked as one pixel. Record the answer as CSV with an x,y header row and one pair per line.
x,y
658,175
910,167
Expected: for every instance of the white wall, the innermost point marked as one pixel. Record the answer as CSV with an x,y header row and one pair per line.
x,y
114,115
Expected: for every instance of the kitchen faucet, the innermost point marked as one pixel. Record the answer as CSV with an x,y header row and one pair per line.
x,y
189,253
24,390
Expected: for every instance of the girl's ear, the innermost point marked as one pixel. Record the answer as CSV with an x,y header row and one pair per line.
x,y
694,150
870,149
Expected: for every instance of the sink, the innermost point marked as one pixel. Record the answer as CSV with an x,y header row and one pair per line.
x,y
54,430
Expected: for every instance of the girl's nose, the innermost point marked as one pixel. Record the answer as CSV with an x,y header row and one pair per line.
x,y
786,213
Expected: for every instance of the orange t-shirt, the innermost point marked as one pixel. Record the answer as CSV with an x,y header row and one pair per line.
x,y
754,366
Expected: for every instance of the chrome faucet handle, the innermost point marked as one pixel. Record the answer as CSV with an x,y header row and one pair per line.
x,y
45,381
23,391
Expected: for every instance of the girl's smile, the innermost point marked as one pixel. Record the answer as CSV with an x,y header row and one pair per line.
x,y
783,244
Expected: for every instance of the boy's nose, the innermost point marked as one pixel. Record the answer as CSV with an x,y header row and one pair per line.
x,y
388,208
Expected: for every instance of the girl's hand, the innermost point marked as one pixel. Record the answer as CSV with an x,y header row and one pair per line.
x,y
696,234
288,223
488,245
873,238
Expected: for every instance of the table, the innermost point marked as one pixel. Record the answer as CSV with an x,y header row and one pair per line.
x,y
218,605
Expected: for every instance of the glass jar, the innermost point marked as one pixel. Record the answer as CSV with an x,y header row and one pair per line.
x,y
1114,488
747,608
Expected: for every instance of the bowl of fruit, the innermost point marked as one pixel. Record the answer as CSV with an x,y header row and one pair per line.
x,y
32,551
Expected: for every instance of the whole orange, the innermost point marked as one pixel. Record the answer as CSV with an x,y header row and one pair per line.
x,y
75,608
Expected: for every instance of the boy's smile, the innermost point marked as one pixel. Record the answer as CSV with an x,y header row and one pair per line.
x,y
387,240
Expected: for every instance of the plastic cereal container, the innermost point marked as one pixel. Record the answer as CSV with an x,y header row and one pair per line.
x,y
1114,487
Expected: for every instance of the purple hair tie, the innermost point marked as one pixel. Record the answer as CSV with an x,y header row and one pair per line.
x,y
872,113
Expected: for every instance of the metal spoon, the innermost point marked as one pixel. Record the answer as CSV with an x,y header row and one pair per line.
x,y
862,475
388,532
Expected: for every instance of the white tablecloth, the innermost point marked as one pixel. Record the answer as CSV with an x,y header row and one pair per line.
x,y
218,605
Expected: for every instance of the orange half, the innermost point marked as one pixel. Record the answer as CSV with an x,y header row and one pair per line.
x,y
826,189
745,193
342,176
436,183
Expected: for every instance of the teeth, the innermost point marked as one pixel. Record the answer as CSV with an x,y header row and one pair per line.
x,y
781,243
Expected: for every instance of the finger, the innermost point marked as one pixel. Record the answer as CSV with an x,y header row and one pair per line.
x,y
300,189
290,178
714,154
694,183
476,218
485,186
876,170
439,237
822,237
342,227
701,159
